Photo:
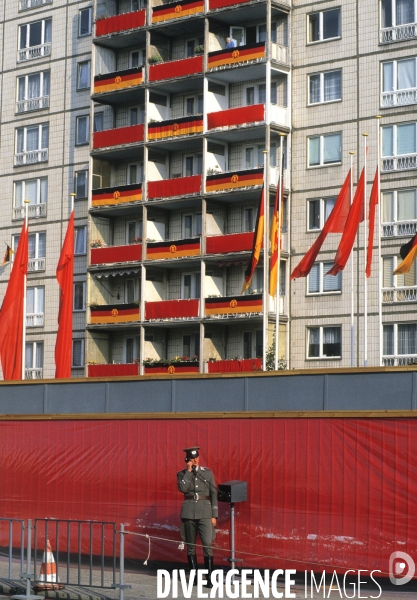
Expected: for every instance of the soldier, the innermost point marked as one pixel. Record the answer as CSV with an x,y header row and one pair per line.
x,y
199,510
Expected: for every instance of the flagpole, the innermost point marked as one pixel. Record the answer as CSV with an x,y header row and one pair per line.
x,y
378,138
265,278
365,287
279,232
26,202
352,318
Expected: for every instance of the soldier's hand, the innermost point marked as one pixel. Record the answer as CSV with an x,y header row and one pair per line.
x,y
189,466
214,521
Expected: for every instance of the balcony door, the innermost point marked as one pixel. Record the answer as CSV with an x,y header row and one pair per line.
x,y
190,285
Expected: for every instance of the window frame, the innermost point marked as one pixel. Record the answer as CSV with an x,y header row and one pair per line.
x,y
35,345
82,343
195,158
76,229
35,303
324,266
139,173
81,284
394,15
321,39
321,331
322,75
196,224
77,121
24,195
195,287
28,26
79,66
322,137
25,129
395,326
88,9
76,186
394,140
322,219
42,80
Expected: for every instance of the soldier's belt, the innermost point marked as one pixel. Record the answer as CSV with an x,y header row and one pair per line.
x,y
195,497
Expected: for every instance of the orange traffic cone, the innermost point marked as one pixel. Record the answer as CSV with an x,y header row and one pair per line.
x,y
47,575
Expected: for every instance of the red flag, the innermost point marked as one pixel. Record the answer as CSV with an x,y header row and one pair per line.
x,y
334,224
64,275
12,313
257,244
275,238
349,234
372,207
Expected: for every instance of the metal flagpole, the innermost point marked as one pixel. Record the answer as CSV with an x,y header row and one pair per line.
x,y
24,301
279,225
365,288
378,138
265,278
352,317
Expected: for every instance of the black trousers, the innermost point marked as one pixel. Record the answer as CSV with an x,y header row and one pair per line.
x,y
204,527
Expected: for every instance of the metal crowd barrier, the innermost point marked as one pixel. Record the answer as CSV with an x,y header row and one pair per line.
x,y
12,547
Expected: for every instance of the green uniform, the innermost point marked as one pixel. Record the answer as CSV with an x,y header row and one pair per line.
x,y
198,508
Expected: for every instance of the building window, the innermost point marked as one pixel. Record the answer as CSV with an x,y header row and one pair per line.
x,y
397,12
324,342
248,219
325,87
320,283
34,190
34,360
81,184
32,144
324,150
35,40
133,232
79,296
191,283
191,345
400,339
399,140
193,165
33,92
191,45
98,121
82,130
131,349
83,75
319,210
85,21
256,94
35,302
399,213
324,25
36,250
191,225
390,281
194,105
134,173
137,58
77,354
253,344
80,240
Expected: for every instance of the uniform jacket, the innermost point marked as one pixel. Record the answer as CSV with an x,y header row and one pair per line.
x,y
203,484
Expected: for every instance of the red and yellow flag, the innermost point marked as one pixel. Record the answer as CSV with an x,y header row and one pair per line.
x,y
7,255
275,239
257,243
408,253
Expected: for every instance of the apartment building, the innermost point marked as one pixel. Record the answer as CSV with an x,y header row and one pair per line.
x,y
44,129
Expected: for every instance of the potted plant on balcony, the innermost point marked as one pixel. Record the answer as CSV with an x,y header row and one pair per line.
x,y
96,243
154,58
199,50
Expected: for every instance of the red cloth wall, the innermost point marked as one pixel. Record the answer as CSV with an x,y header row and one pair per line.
x,y
235,366
321,491
213,4
235,242
113,254
236,116
176,68
171,309
121,22
112,370
166,188
116,137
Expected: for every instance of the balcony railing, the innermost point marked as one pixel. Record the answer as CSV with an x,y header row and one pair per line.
x,y
400,33
33,373
31,157
113,370
118,137
398,98
110,314
34,52
240,306
224,59
114,196
34,320
399,163
234,366
173,249
175,128
165,310
403,294
116,254
34,211
236,117
215,4
280,53
32,104
27,4
176,68
118,80
233,242
399,229
172,368
234,180
118,23
171,188
176,10
399,361
36,264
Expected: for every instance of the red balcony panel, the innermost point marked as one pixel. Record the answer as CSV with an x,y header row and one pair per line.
x,y
171,309
118,80
176,68
167,188
235,366
173,249
213,4
236,116
116,254
118,137
116,195
175,128
172,369
234,242
175,10
233,56
222,182
114,313
230,305
113,370
132,20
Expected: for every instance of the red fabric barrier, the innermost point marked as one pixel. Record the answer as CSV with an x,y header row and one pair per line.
x,y
181,186
236,116
123,22
235,242
235,366
322,492
176,68
171,309
112,370
113,254
171,369
117,137
213,4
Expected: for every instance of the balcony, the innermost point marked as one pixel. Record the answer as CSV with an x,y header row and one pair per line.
x,y
390,164
234,366
32,104
116,254
176,68
112,314
122,136
35,211
224,59
173,249
233,306
280,53
124,194
398,98
113,370
236,180
34,320
243,116
166,310
120,23
36,264
184,126
403,294
30,158
34,52
172,368
233,242
216,4
28,4
171,188
401,33
118,80
399,361
176,10
399,229
33,373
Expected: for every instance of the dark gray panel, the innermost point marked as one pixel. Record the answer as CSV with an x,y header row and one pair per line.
x,y
303,392
76,398
139,396
209,395
369,391
21,399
